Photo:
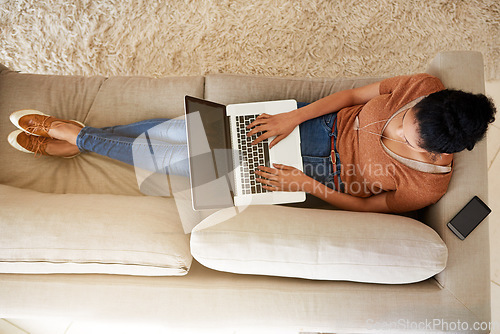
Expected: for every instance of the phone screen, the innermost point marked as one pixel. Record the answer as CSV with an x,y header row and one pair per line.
x,y
469,217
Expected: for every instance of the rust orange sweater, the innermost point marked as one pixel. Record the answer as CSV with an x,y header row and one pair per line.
x,y
367,169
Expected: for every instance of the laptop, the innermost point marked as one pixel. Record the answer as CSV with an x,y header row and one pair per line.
x,y
222,160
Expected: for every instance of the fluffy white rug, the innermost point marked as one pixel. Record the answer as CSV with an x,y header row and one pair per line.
x,y
320,38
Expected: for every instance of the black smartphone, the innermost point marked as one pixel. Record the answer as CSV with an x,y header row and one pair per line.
x,y
469,217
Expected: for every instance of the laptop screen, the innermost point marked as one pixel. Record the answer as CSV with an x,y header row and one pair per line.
x,y
210,156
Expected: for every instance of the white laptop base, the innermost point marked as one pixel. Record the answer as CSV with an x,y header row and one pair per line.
x,y
286,152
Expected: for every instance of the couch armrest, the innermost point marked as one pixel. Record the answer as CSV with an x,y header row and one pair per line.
x,y
467,275
3,68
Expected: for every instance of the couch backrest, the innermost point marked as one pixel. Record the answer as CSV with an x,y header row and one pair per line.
x,y
100,101
228,88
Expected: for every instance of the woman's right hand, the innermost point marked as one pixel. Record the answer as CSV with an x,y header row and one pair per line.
x,y
279,125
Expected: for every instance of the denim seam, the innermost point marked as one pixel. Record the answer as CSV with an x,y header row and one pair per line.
x,y
126,142
326,126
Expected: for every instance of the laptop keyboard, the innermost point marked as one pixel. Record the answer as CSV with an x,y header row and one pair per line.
x,y
251,156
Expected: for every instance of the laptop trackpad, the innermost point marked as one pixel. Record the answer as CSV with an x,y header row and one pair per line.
x,y
287,151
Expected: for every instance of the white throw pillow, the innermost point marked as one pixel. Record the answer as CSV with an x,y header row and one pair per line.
x,y
45,233
319,244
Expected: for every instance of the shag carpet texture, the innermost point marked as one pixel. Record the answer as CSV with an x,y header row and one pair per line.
x,y
313,38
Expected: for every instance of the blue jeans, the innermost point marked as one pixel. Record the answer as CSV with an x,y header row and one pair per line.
x,y
159,145
315,146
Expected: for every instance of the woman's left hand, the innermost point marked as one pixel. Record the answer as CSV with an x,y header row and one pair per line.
x,y
282,178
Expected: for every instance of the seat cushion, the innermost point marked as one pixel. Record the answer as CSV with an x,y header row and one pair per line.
x,y
319,244
79,233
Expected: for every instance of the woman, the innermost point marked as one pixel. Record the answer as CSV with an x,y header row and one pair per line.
x,y
384,147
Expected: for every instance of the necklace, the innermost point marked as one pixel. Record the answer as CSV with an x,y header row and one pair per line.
x,y
357,128
410,104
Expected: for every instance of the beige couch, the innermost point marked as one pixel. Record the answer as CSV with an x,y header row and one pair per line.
x,y
88,194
